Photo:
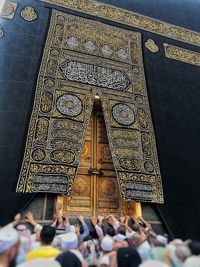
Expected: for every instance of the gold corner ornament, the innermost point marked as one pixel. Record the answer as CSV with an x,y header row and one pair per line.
x,y
151,46
130,18
28,13
8,10
181,54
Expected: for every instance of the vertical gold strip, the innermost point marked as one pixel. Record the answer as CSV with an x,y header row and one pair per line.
x,y
95,162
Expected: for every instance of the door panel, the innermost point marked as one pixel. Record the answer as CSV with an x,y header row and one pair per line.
x,y
95,189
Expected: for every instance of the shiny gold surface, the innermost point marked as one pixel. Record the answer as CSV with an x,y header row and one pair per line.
x,y
133,19
181,54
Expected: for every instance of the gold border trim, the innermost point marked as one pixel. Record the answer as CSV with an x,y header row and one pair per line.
x,y
181,54
130,18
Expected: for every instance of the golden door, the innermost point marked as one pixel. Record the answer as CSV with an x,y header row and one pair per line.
x,y
95,189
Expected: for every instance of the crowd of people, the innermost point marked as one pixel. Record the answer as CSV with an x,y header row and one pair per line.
x,y
110,242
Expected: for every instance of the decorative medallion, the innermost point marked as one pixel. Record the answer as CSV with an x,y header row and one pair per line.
x,y
148,165
1,31
62,156
28,13
49,83
46,102
106,154
130,164
108,187
95,75
106,50
80,185
123,114
72,42
38,154
41,131
69,105
122,54
89,46
151,46
8,10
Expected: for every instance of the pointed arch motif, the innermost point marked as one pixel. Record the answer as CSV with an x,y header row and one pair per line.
x,y
83,58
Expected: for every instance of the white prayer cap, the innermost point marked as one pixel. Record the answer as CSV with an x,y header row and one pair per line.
x,y
8,238
193,261
69,241
107,243
153,263
119,238
72,229
40,263
162,240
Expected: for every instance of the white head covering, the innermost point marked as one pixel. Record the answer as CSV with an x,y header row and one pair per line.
x,y
8,238
40,263
162,240
72,229
153,263
119,238
107,243
69,241
193,261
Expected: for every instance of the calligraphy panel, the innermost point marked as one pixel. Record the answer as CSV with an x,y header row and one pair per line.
x,y
81,59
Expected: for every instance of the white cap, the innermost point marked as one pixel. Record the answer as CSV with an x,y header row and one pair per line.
x,y
72,229
8,238
119,238
162,240
107,243
69,241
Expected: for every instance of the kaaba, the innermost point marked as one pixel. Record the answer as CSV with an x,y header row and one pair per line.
x,y
99,110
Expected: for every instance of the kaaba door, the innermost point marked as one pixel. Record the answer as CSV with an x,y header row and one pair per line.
x,y
95,189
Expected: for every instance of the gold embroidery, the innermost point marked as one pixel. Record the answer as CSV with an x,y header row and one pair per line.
x,y
181,54
151,46
73,70
8,10
28,13
130,18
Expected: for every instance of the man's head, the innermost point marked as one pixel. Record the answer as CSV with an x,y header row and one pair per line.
x,y
47,234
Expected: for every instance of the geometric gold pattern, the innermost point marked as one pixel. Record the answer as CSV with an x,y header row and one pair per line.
x,y
151,46
8,10
133,19
181,54
83,58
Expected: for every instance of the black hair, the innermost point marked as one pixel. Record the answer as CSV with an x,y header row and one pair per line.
x,y
47,234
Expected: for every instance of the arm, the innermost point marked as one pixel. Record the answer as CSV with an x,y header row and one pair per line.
x,y
30,219
98,229
85,227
